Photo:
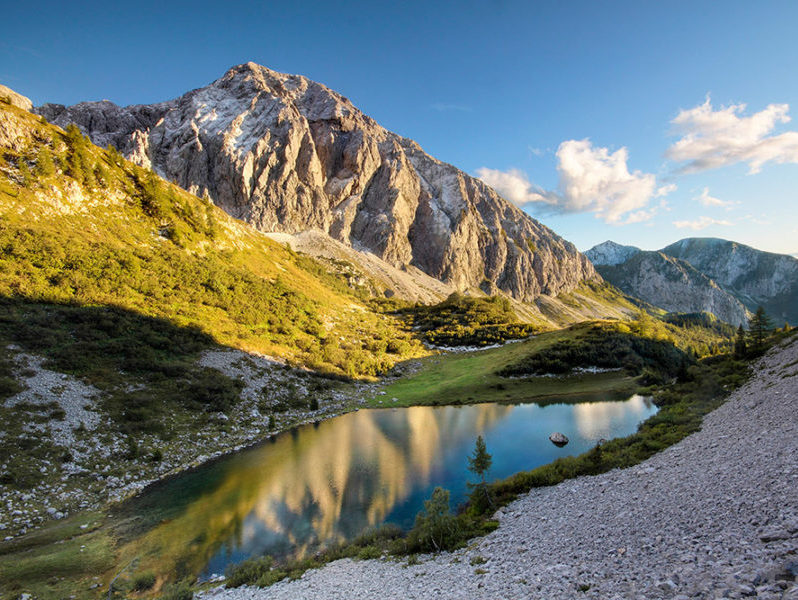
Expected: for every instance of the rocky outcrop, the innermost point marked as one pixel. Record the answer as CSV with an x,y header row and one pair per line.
x,y
674,285
287,154
11,97
753,276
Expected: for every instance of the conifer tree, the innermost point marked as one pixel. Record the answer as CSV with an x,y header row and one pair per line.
x,y
759,327
479,464
740,346
76,160
44,163
24,171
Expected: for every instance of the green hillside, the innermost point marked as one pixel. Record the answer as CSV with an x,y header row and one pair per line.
x,y
81,226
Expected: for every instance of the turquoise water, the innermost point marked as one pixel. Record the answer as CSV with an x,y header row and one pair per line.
x,y
327,482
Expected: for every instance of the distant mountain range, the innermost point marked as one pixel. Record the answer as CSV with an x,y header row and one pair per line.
x,y
713,275
288,155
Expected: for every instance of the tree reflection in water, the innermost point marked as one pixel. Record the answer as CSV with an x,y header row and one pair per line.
x,y
328,482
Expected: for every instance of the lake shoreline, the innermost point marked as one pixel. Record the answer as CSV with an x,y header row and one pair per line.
x,y
711,514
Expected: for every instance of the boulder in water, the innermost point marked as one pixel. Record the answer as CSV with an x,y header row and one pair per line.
x,y
558,439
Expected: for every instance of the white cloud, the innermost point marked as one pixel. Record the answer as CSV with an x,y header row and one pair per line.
x,y
700,223
761,220
664,190
716,138
515,186
592,179
707,200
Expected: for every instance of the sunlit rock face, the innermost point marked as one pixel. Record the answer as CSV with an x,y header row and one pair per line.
x,y
287,154
755,277
674,285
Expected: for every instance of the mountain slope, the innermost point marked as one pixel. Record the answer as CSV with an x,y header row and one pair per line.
x,y
753,276
287,155
82,226
674,285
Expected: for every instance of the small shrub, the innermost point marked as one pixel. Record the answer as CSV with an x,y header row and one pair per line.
x,y
369,552
248,571
177,591
143,581
436,528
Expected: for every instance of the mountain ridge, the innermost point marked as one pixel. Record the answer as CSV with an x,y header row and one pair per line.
x,y
755,277
747,276
287,154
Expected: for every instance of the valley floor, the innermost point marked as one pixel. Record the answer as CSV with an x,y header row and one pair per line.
x,y
715,516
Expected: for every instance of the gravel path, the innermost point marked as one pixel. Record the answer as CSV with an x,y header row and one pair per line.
x,y
715,516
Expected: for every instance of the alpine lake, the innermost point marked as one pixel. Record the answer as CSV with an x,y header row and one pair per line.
x,y
327,482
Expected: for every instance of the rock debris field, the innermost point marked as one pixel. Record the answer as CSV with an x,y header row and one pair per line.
x,y
715,516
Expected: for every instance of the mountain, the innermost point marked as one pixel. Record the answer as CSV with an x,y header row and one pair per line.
x,y
610,253
753,276
725,278
82,227
287,155
672,284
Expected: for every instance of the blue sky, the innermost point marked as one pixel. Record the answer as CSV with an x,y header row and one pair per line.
x,y
591,115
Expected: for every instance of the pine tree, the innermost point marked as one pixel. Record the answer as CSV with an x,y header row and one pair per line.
x,y
740,347
44,163
114,156
24,172
76,161
479,464
759,327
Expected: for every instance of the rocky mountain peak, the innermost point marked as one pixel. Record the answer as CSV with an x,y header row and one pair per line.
x,y
287,154
755,277
726,278
610,253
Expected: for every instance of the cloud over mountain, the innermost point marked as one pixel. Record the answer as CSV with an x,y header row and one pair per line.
x,y
591,179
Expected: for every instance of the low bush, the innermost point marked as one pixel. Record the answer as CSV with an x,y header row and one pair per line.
x,y
467,321
143,582
609,346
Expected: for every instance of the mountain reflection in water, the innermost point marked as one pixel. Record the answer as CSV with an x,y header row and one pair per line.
x,y
324,483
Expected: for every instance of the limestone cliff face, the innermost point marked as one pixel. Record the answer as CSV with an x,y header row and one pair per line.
x,y
610,253
287,154
674,285
755,277
11,97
